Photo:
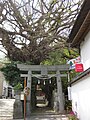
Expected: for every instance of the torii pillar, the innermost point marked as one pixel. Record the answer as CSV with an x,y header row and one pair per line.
x,y
28,103
59,92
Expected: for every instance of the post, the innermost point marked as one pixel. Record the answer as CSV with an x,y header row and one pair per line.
x,y
59,92
28,104
24,100
69,87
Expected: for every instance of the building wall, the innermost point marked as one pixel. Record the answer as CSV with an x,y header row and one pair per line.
x,y
6,92
1,83
85,51
4,86
80,93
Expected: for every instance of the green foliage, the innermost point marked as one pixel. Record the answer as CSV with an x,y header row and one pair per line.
x,y
73,74
68,105
18,87
55,58
12,74
64,84
72,117
60,56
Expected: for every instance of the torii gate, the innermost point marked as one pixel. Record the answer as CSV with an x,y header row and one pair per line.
x,y
45,69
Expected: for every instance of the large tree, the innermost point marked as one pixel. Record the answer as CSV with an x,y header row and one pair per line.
x,y
31,29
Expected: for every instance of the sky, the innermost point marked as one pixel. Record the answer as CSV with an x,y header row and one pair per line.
x,y
2,55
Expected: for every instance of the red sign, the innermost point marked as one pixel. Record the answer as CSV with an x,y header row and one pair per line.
x,y
79,67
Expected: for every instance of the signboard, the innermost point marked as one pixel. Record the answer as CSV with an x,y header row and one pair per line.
x,y
73,63
79,67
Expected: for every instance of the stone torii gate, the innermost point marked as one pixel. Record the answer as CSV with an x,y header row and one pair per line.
x,y
44,72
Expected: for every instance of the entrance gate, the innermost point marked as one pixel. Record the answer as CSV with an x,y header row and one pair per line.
x,y
44,72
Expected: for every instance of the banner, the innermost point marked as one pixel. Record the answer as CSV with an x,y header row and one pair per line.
x,y
74,61
76,64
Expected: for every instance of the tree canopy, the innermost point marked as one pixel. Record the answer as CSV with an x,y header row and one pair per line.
x,y
12,74
31,29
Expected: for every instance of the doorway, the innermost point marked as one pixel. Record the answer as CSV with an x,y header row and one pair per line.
x,y
9,92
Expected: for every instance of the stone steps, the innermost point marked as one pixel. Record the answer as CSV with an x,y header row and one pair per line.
x,y
6,109
6,118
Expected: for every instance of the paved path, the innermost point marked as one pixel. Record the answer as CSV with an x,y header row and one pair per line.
x,y
6,112
46,114
48,117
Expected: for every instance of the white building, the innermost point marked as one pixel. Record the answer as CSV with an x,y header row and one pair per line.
x,y
80,86
6,91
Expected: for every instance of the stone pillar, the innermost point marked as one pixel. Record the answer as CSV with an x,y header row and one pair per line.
x,y
18,111
28,103
59,92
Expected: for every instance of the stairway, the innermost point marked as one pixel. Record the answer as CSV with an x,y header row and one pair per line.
x,y
6,109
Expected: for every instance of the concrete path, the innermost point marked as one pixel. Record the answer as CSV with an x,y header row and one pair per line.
x,y
6,109
47,117
46,114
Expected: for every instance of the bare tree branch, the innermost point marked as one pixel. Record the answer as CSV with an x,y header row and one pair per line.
x,y
30,30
